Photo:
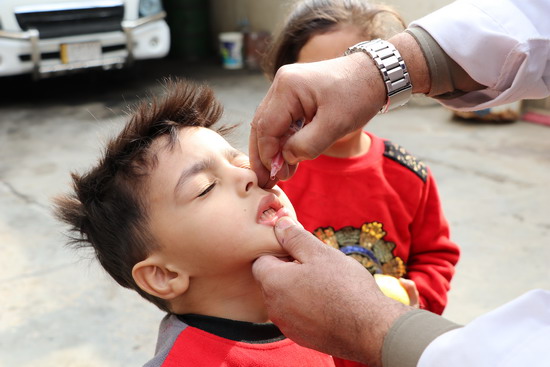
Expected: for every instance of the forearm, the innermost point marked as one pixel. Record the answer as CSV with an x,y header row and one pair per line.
x,y
431,70
447,78
415,61
374,327
409,336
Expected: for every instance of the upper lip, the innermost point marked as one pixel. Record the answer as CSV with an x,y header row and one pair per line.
x,y
268,201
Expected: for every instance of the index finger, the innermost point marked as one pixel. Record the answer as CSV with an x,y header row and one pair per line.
x,y
266,265
263,174
270,124
279,108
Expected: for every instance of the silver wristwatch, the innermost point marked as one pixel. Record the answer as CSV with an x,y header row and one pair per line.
x,y
393,70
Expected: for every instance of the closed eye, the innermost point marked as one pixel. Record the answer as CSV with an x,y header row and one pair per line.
x,y
208,189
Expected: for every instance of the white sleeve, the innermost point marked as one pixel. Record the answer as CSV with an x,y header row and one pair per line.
x,y
503,44
516,334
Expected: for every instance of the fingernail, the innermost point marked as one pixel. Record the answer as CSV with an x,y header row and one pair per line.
x,y
286,222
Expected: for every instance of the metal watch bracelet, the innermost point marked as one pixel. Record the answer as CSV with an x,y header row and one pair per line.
x,y
392,68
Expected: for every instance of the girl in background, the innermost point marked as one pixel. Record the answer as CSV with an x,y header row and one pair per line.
x,y
365,195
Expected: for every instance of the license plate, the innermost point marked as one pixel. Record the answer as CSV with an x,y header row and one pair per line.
x,y
75,52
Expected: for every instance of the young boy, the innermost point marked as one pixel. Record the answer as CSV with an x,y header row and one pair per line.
x,y
174,212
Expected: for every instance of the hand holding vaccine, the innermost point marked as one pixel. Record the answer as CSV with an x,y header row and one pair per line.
x,y
278,160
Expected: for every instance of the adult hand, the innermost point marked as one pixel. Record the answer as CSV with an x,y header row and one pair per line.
x,y
334,97
325,300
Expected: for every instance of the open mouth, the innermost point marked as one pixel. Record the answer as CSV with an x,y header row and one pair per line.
x,y
270,210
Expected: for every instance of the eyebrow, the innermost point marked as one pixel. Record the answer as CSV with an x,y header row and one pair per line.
x,y
204,165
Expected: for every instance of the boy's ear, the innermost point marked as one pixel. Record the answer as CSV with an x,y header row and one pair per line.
x,y
154,277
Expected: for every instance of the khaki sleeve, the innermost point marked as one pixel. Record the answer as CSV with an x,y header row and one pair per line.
x,y
410,335
443,69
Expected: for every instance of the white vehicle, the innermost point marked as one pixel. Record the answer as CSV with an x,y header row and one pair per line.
x,y
46,37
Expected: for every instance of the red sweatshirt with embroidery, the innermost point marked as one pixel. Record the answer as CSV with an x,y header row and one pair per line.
x,y
383,209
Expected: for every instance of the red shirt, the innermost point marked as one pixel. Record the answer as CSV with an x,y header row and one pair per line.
x,y
229,343
382,208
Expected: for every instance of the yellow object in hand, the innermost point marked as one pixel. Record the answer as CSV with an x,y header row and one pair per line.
x,y
392,288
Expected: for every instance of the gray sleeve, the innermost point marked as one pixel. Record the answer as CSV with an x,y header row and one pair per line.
x,y
169,330
443,69
410,335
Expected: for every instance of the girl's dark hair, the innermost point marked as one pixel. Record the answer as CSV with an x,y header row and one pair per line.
x,y
312,17
107,211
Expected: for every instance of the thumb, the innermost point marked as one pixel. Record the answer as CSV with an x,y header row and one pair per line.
x,y
296,241
305,145
314,138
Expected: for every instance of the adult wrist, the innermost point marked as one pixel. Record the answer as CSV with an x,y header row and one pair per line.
x,y
413,57
370,80
392,69
441,81
410,335
447,78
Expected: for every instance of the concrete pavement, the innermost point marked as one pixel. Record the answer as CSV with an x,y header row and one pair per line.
x,y
58,308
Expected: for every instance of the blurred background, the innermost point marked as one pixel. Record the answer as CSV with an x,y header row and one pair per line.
x,y
58,104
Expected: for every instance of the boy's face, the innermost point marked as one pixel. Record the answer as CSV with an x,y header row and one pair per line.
x,y
206,209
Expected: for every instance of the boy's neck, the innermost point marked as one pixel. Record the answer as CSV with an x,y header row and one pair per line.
x,y
237,297
354,144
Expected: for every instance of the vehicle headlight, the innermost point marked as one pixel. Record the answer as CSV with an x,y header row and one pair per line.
x,y
149,7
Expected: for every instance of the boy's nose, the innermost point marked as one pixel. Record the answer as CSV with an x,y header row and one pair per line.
x,y
247,179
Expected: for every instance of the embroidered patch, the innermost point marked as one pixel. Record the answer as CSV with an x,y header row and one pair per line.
x,y
365,245
401,156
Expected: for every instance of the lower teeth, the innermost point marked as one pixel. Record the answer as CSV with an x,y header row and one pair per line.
x,y
268,214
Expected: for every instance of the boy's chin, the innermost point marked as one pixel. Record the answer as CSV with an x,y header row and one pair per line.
x,y
273,248
268,243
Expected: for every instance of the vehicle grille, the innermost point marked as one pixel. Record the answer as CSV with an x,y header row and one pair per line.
x,y
57,21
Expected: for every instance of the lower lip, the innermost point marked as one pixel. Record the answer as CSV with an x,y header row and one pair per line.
x,y
283,212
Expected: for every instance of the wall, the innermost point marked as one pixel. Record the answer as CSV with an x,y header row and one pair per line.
x,y
267,14
227,15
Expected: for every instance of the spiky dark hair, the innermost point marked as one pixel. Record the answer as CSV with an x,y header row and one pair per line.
x,y
106,210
